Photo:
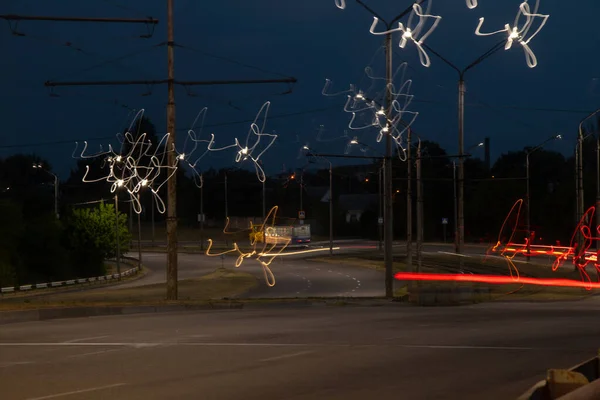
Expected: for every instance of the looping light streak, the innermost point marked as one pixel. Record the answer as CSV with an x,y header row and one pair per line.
x,y
579,256
249,151
413,34
519,31
471,4
135,167
368,112
268,252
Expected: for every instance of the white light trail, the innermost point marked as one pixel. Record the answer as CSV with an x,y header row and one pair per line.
x,y
519,31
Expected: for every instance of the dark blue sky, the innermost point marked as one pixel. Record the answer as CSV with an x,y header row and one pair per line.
x,y
310,40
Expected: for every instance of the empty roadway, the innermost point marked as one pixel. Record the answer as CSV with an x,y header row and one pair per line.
x,y
487,351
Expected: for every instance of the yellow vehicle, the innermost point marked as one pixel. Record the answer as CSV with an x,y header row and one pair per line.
x,y
280,234
256,234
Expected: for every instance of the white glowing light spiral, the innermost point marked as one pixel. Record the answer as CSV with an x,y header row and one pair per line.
x,y
415,33
471,4
369,108
136,169
519,31
252,151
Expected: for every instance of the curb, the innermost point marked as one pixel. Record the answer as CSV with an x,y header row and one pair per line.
x,y
44,314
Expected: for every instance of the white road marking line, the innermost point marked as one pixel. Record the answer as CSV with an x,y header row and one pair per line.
x,y
54,396
454,254
284,356
85,339
92,353
234,344
12,364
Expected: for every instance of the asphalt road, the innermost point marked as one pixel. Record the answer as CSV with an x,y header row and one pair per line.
x,y
294,277
490,351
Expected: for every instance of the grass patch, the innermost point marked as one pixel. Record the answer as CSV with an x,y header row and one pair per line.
x,y
222,283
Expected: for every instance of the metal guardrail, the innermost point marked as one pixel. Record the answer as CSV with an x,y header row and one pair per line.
x,y
577,383
71,282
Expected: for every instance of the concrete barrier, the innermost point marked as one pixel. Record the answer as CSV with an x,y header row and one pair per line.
x,y
576,383
80,281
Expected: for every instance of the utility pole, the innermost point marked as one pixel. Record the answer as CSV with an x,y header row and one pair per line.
x,y
387,176
419,208
171,159
226,205
202,212
461,132
139,223
118,239
409,224
388,217
171,82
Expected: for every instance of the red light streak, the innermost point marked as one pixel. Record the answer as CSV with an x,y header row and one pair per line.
x,y
495,280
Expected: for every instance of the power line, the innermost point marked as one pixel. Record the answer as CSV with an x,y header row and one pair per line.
x,y
98,138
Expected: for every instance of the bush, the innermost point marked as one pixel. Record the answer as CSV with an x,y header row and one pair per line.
x,y
92,238
44,255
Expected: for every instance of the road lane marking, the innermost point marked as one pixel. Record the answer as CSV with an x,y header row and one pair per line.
x,y
12,364
94,389
92,353
284,356
242,344
85,339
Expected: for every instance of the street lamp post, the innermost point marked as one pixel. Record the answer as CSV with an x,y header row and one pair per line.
x,y
311,154
457,247
387,175
39,166
461,128
579,180
379,189
527,196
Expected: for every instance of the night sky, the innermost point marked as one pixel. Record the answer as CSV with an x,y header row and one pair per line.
x,y
310,40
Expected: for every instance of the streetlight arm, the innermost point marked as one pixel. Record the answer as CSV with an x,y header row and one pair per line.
x,y
555,137
585,119
369,9
485,55
442,58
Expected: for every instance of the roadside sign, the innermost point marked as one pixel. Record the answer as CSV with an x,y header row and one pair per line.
x,y
301,214
445,221
380,221
201,217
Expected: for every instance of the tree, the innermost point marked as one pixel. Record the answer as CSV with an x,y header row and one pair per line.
x,y
92,237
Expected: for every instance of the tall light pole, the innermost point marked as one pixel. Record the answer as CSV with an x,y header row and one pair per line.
x,y
172,279
461,155
387,173
461,133
202,212
380,186
527,197
311,154
39,166
579,181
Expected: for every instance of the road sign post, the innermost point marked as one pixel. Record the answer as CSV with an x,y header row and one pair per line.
x,y
444,224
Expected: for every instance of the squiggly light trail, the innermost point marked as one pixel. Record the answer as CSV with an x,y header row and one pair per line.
x,y
245,150
410,32
137,168
518,32
360,103
268,252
